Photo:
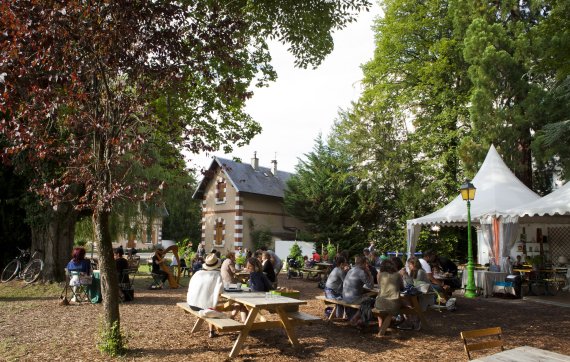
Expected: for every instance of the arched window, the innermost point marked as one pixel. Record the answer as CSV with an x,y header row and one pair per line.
x,y
219,232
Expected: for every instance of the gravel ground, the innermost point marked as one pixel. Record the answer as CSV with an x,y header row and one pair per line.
x,y
38,328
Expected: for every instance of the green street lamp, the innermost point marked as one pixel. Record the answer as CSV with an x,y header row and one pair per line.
x,y
468,193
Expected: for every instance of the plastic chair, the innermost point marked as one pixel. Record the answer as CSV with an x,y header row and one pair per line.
x,y
485,344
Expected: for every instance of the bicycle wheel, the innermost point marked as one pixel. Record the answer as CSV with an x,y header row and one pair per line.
x,y
10,271
33,271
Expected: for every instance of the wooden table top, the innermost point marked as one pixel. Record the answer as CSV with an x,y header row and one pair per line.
x,y
259,299
525,354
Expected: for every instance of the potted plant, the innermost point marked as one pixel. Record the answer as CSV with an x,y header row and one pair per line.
x,y
240,261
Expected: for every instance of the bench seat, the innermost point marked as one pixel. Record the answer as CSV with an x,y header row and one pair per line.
x,y
415,310
300,317
222,324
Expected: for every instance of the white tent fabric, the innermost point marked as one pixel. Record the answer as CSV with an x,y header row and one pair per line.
x,y
555,203
498,190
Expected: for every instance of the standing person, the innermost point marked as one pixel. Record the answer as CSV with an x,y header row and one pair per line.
x,y
258,282
389,284
157,259
333,287
228,269
275,260
353,286
205,287
267,267
121,249
201,252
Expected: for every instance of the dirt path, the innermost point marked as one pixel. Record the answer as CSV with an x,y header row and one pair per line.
x,y
34,328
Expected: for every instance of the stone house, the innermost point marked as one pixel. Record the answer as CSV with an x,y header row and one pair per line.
x,y
238,198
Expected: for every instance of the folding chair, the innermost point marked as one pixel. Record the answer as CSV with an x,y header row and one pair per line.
x,y
156,281
126,280
79,285
485,344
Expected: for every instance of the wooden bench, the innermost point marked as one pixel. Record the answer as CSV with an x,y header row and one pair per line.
x,y
221,324
229,324
414,310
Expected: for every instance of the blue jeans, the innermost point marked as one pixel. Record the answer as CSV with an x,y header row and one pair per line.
x,y
331,294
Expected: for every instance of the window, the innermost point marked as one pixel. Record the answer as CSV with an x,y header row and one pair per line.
x,y
221,191
219,232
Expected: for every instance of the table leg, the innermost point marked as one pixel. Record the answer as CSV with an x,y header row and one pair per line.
x,y
289,329
197,325
419,312
244,332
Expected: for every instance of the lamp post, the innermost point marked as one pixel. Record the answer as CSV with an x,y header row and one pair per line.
x,y
468,193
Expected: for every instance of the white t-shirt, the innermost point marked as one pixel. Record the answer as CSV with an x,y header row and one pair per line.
x,y
425,266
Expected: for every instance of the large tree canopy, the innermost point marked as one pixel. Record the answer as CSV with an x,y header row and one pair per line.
x,y
88,88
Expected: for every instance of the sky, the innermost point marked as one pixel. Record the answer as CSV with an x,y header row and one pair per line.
x,y
304,103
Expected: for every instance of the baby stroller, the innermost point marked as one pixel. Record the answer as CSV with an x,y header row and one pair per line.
x,y
294,269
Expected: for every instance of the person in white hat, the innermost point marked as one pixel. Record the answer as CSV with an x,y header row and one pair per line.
x,y
205,287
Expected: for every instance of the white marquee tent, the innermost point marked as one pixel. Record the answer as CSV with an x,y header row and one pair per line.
x,y
555,203
498,190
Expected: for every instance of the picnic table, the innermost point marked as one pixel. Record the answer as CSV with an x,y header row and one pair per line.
x,y
255,303
524,354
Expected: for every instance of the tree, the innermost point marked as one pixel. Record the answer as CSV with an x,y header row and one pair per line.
x,y
87,85
325,196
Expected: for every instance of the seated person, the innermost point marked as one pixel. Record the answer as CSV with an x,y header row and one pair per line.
x,y
438,285
205,287
267,267
390,284
518,264
157,259
228,269
353,286
308,264
197,264
449,269
258,282
79,266
122,264
333,287
316,257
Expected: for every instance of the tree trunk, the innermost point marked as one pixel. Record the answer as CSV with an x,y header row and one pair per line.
x,y
54,238
108,269
524,160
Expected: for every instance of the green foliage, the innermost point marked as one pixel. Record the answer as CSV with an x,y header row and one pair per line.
x,y
240,259
296,253
112,342
331,202
331,249
261,237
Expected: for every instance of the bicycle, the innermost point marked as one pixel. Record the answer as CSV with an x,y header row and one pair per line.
x,y
24,266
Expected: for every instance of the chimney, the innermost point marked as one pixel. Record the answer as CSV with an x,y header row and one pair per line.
x,y
255,161
274,167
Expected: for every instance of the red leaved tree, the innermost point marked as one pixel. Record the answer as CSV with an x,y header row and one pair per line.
x,y
87,87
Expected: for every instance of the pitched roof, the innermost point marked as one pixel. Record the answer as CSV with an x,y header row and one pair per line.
x,y
247,180
498,189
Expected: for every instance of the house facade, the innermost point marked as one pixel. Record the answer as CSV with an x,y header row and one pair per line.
x,y
238,198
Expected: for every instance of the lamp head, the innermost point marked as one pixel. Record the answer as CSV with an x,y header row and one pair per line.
x,y
467,190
